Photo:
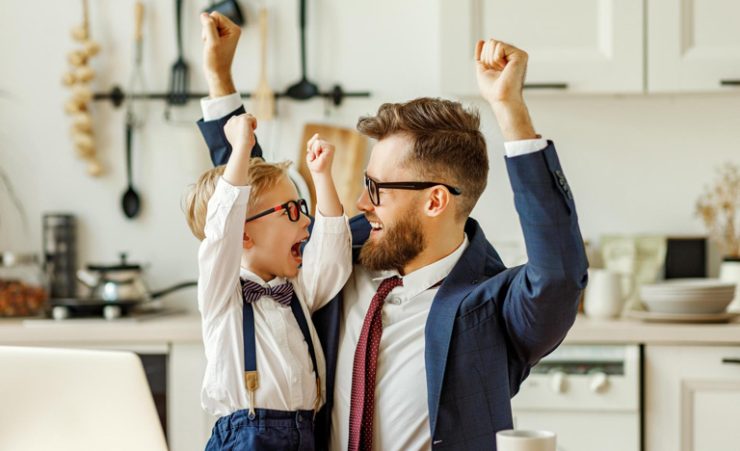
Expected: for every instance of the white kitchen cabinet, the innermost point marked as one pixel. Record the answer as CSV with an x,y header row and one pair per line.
x,y
693,45
599,46
189,425
692,398
589,46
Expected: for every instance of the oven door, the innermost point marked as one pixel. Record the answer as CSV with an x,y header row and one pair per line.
x,y
588,395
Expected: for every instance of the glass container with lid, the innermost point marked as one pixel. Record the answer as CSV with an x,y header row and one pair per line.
x,y
23,290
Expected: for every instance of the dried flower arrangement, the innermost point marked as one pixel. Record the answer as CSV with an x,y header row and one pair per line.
x,y
719,208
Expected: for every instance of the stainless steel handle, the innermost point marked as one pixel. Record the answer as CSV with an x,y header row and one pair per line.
x,y
731,360
729,82
545,85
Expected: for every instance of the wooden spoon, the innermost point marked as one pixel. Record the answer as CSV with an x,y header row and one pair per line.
x,y
264,98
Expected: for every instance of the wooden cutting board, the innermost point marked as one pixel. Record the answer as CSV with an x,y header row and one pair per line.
x,y
349,162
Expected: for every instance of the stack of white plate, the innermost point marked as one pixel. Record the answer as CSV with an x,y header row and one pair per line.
x,y
688,296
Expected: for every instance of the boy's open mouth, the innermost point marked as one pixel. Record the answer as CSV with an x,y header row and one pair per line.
x,y
295,249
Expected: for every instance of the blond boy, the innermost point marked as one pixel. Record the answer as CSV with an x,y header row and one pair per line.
x,y
257,290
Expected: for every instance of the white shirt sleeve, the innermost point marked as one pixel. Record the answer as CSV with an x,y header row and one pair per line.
x,y
327,260
523,147
220,252
220,106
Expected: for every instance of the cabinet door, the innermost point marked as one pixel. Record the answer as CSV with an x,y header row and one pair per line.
x,y
692,398
693,45
189,425
573,45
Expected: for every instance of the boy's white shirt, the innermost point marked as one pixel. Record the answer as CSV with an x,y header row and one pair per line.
x,y
287,380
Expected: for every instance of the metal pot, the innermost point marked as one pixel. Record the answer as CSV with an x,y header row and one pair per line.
x,y
122,282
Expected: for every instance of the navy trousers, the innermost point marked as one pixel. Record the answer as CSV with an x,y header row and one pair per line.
x,y
269,430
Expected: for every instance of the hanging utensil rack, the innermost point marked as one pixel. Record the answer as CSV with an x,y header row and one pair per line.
x,y
117,95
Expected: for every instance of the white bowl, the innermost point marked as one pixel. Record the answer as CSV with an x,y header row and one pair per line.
x,y
688,296
703,285
709,305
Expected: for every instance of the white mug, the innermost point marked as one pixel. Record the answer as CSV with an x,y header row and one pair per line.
x,y
604,297
729,271
522,440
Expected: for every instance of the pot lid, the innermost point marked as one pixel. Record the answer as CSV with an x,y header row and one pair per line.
x,y
10,259
123,265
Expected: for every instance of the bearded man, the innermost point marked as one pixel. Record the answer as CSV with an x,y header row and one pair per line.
x,y
433,335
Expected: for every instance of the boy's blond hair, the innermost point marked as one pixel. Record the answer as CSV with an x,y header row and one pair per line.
x,y
261,177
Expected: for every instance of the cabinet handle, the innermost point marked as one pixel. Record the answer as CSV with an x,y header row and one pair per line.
x,y
729,82
545,85
731,360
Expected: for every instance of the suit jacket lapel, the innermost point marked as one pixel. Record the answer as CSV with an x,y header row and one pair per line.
x,y
466,274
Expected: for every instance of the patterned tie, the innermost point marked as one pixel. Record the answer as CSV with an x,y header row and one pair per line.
x,y
362,404
283,293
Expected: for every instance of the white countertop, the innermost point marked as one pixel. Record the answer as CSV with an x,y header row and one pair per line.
x,y
176,328
626,331
185,328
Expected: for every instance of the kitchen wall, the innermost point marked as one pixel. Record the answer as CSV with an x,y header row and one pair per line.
x,y
636,163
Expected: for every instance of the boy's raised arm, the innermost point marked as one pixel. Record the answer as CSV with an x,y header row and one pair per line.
x,y
239,131
319,157
327,258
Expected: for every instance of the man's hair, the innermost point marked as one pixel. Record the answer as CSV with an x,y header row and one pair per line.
x,y
448,145
261,178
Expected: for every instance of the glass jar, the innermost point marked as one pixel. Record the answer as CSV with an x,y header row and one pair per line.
x,y
23,290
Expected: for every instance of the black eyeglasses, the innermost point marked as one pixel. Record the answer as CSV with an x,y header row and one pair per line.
x,y
373,187
294,208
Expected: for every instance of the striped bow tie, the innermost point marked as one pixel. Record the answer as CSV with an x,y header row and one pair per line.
x,y
283,293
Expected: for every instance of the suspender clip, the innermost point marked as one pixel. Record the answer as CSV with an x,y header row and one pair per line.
x,y
252,382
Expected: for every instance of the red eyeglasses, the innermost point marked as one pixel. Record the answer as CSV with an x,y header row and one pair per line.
x,y
294,208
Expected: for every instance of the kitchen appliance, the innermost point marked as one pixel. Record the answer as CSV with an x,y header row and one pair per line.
x,y
60,254
589,395
113,290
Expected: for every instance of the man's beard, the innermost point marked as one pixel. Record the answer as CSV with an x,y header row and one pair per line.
x,y
399,245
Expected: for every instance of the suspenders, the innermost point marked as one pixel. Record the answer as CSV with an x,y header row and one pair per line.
x,y
251,376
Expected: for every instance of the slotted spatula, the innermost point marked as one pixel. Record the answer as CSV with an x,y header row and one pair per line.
x,y
264,97
179,79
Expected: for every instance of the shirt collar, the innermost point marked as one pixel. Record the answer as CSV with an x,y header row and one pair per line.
x,y
249,275
426,277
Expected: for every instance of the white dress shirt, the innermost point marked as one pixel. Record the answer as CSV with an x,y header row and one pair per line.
x,y
287,379
401,419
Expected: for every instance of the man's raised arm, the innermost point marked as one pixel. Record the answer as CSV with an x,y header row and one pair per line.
x,y
542,301
220,38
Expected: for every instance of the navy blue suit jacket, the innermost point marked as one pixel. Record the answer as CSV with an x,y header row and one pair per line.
x,y
488,324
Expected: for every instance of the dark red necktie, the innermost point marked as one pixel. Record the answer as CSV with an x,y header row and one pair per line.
x,y
362,404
